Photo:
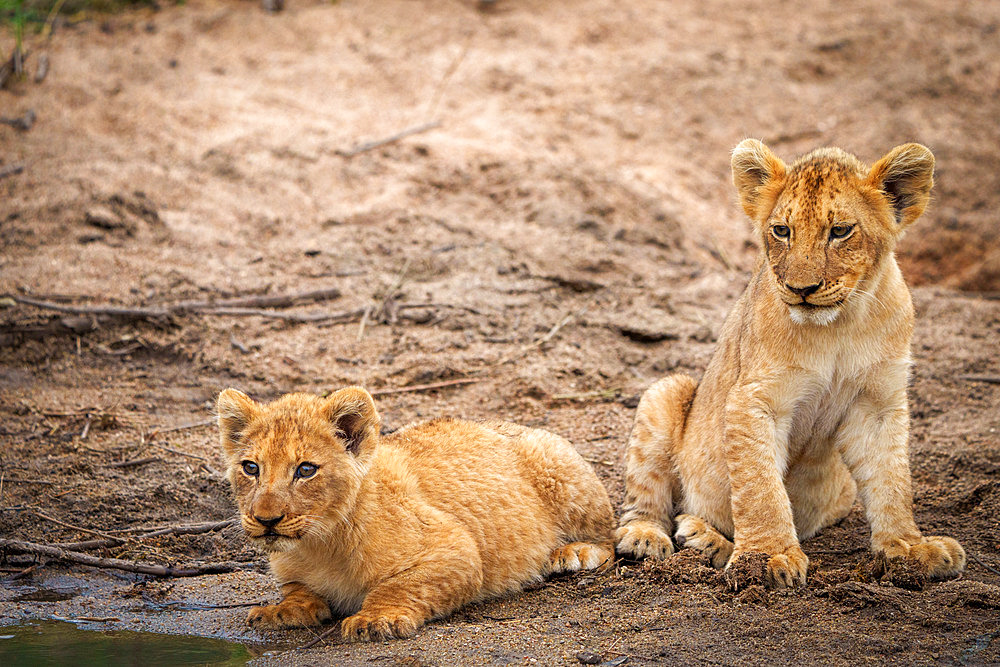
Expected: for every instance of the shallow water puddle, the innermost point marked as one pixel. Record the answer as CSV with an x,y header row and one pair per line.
x,y
56,643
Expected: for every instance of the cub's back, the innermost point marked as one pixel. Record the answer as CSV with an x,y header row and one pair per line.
x,y
519,491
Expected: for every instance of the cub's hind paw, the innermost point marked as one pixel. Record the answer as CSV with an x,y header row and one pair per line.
x,y
696,533
937,557
579,556
288,615
383,624
639,539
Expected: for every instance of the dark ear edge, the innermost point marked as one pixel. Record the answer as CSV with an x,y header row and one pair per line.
x,y
235,410
905,175
758,175
353,414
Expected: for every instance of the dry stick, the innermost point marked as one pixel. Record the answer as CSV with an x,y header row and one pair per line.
x,y
424,387
240,306
11,170
372,145
397,282
179,452
544,339
184,427
321,637
988,567
114,563
134,462
71,526
989,379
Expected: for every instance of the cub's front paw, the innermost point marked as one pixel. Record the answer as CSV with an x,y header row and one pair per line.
x,y
381,624
786,569
937,557
289,615
696,533
638,539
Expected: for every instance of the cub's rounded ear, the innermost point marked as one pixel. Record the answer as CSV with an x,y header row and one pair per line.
x,y
352,412
235,410
758,175
905,176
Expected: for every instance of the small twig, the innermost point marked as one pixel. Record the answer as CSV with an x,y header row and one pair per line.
x,y
179,452
543,339
424,387
184,427
988,567
190,529
86,429
19,546
81,529
321,637
372,145
183,605
11,169
602,462
86,619
21,574
16,480
600,393
133,462
989,379
238,345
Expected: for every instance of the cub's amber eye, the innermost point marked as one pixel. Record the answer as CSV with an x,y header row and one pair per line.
x,y
251,468
781,231
840,231
305,470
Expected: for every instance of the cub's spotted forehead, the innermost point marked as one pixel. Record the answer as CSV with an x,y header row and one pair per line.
x,y
817,182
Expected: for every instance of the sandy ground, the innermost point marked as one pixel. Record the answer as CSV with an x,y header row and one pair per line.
x,y
564,237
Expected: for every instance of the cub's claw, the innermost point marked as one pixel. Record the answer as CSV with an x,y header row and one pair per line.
x,y
371,626
787,569
639,539
938,557
695,533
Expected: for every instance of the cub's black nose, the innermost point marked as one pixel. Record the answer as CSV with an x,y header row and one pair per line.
x,y
268,522
803,291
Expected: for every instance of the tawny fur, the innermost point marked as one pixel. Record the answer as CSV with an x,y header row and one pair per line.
x,y
804,405
395,530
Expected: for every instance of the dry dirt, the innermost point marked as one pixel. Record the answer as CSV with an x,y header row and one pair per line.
x,y
564,237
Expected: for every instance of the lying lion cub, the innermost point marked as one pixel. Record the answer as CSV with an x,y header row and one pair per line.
x,y
804,404
403,528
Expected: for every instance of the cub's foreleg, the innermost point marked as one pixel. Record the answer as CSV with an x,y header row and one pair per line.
x,y
873,438
652,487
400,604
756,451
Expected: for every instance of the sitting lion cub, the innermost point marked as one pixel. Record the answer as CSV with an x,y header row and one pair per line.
x,y
403,528
804,404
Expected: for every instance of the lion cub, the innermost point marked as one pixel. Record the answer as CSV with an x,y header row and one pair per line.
x,y
803,406
406,527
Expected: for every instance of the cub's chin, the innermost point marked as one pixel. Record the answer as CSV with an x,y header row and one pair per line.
x,y
818,315
275,544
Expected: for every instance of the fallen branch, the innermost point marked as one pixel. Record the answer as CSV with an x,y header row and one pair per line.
x,y
378,143
424,387
51,551
180,529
